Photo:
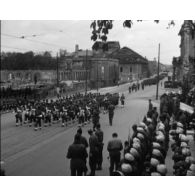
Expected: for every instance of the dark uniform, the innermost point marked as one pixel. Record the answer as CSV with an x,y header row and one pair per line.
x,y
93,153
77,153
114,147
100,135
111,113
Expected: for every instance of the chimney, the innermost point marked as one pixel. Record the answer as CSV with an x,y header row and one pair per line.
x,y
76,50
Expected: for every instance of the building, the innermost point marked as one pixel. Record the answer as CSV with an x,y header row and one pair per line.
x,y
93,67
153,67
184,66
132,66
104,72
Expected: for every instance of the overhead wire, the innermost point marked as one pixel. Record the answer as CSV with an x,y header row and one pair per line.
x,y
35,41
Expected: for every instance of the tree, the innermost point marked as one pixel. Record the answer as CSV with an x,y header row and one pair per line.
x,y
101,28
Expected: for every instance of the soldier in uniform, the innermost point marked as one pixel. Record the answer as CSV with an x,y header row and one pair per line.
x,y
18,116
78,154
95,117
100,135
47,117
93,152
38,117
114,148
111,113
26,115
122,100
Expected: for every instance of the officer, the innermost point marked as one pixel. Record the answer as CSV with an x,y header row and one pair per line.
x,y
95,117
93,152
111,113
100,135
114,148
78,154
129,89
83,141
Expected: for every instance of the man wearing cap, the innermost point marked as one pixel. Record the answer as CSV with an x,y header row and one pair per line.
x,y
83,140
78,154
111,113
100,135
93,152
114,148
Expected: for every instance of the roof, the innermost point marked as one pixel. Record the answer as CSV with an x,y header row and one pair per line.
x,y
126,55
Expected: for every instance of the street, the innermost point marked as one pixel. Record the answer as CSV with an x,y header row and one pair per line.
x,y
43,153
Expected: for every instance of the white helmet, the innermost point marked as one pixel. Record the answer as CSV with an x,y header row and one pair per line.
x,y
179,124
156,152
156,145
126,168
129,157
154,162
136,146
134,152
183,145
136,140
162,169
155,174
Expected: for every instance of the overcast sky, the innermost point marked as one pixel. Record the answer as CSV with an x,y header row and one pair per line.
x,y
143,37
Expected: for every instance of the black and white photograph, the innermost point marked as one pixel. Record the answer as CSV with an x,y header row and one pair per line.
x,y
84,96
97,97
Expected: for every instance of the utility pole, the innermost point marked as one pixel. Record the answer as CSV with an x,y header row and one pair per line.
x,y
97,77
157,85
86,72
57,71
57,75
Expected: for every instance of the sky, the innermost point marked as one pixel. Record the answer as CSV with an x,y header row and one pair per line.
x,y
52,35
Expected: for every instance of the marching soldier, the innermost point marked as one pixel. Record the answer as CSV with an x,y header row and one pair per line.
x,y
64,116
122,100
111,113
18,116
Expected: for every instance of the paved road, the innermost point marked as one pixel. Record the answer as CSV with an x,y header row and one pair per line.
x,y
27,152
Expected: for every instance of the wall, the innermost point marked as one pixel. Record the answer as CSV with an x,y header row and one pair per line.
x,y
131,72
104,72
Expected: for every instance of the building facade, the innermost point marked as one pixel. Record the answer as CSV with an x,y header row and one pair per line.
x,y
184,66
104,72
132,66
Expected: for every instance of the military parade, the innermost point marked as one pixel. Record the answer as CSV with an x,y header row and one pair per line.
x,y
105,110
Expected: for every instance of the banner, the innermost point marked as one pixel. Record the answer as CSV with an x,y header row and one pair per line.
x,y
185,107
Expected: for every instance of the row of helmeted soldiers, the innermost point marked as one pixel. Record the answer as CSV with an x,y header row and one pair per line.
x,y
146,150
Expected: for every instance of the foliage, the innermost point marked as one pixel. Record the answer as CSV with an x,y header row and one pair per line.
x,y
27,61
101,28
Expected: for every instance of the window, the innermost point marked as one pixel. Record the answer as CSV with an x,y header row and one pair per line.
x,y
121,69
130,69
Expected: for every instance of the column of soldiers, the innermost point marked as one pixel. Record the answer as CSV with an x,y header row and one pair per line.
x,y
68,110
